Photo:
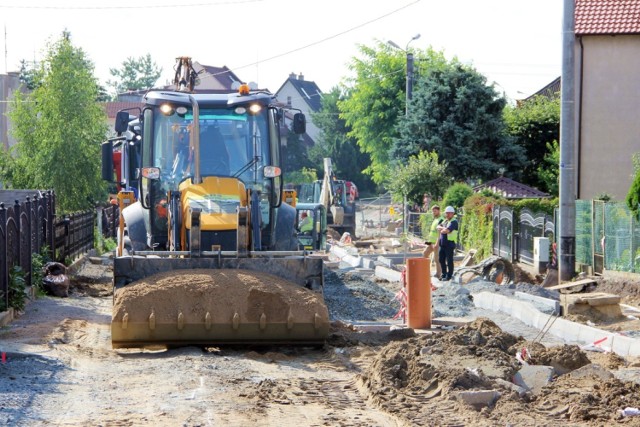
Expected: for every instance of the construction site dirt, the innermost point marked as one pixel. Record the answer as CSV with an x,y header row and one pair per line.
x,y
58,369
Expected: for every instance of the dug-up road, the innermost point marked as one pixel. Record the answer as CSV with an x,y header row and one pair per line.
x,y
59,369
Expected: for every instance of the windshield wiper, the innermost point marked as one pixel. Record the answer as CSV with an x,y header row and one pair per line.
x,y
246,167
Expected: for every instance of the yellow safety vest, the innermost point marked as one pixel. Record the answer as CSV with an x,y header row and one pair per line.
x,y
433,231
453,235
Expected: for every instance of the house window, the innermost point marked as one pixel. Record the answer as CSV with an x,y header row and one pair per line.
x,y
289,101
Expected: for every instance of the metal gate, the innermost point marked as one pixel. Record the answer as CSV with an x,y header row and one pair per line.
x,y
503,232
530,226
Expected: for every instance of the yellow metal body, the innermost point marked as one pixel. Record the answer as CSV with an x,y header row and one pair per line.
x,y
217,198
290,197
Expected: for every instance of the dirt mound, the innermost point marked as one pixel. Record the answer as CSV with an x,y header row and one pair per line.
x,y
564,359
421,380
589,400
628,289
220,293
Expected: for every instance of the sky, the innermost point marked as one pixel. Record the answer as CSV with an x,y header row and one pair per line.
x,y
516,44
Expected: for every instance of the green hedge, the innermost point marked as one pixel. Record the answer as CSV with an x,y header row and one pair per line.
x,y
477,229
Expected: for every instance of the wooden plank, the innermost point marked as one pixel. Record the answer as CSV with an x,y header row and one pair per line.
x,y
593,299
583,282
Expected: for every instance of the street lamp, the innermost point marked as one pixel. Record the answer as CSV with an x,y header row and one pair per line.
x,y
409,69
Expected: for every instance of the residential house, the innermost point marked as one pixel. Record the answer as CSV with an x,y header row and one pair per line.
x,y
9,83
510,189
607,90
550,91
305,95
112,108
210,80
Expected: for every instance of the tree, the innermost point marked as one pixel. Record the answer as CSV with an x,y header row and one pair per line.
x,y
535,124
295,153
302,176
549,171
135,74
457,194
335,143
633,196
59,127
421,174
29,75
375,101
456,114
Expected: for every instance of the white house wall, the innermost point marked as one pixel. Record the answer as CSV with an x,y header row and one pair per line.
x,y
610,123
9,83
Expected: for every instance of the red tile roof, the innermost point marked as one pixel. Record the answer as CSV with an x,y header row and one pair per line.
x,y
511,189
112,108
607,17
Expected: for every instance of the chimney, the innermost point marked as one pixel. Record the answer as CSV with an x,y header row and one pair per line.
x,y
292,75
300,76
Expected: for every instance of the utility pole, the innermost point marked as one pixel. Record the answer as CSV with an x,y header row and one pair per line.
x,y
567,238
409,80
408,96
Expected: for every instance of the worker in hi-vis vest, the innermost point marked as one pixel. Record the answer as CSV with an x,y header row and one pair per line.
x,y
433,241
448,238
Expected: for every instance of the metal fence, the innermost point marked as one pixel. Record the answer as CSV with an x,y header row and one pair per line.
x,y
513,237
26,226
28,223
607,236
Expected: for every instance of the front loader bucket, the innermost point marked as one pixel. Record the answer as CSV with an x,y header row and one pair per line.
x,y
207,301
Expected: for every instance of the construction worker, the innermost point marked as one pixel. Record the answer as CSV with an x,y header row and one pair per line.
x,y
448,230
305,225
433,240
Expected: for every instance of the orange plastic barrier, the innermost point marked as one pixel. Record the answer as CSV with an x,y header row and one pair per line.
x,y
419,293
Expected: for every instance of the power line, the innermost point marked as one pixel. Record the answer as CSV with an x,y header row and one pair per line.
x,y
327,38
154,6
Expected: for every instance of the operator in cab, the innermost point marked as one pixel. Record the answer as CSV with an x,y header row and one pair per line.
x,y
305,225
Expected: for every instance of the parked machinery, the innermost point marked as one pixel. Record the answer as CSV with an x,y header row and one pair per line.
x,y
213,254
332,193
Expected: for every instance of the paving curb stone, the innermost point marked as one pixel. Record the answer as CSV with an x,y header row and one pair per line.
x,y
559,327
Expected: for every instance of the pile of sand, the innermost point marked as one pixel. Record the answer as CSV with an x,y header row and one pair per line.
x,y
221,293
420,379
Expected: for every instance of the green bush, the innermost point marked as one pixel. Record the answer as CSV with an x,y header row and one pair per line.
x,y
477,229
456,195
102,245
110,244
17,288
37,264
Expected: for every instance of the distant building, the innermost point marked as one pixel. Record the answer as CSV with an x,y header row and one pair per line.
x,y
510,189
9,83
112,108
210,80
607,101
305,95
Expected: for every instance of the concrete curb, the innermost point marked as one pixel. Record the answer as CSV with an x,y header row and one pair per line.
x,y
388,274
344,256
562,328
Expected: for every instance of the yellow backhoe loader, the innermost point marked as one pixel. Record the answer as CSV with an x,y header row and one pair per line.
x,y
209,253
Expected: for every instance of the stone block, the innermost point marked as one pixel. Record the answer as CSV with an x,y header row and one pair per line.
x,y
478,398
533,377
388,274
592,370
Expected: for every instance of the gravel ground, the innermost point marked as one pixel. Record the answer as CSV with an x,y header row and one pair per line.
x,y
352,297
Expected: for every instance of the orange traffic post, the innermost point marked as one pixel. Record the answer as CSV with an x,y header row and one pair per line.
x,y
419,293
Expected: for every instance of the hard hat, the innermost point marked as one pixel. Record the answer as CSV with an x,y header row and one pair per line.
x,y
449,209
